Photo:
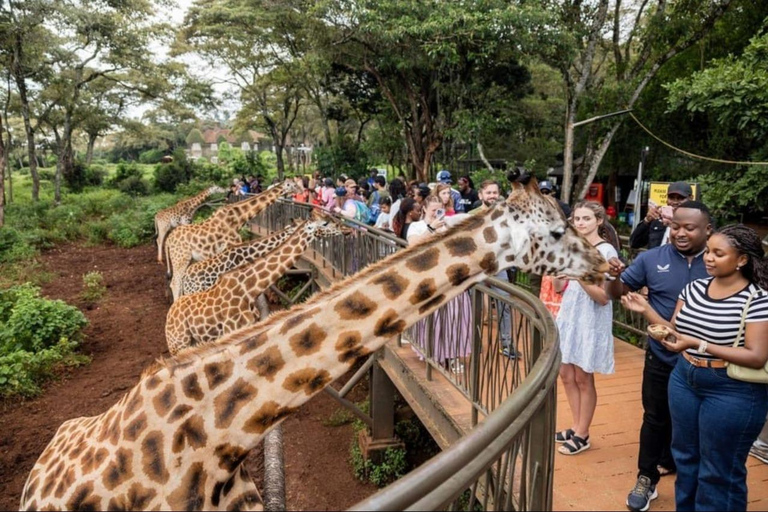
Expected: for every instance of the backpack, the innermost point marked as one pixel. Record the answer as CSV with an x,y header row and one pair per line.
x,y
375,208
362,212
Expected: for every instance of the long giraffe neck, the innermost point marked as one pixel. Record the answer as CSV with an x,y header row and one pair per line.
x,y
252,279
248,252
237,214
259,374
191,204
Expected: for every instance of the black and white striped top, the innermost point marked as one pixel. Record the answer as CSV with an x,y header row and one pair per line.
x,y
717,320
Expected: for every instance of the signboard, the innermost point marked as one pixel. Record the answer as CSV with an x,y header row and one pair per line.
x,y
657,192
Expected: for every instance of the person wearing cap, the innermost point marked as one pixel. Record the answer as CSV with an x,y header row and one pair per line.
x,y
444,176
653,231
345,205
547,188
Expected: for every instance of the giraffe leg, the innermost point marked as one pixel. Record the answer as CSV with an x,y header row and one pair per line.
x,y
162,230
242,494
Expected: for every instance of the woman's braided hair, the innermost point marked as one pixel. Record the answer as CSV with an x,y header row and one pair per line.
x,y
746,241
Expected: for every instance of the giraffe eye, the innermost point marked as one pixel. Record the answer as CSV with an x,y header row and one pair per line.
x,y
557,233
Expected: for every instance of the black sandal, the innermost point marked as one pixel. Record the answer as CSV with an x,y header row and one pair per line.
x,y
564,435
574,445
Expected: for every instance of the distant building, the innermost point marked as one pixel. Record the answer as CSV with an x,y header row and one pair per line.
x,y
209,148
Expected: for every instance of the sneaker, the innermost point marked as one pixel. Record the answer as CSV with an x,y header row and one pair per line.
x,y
457,366
505,351
760,454
639,499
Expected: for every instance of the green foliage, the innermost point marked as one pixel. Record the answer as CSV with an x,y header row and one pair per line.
x,y
14,247
95,175
93,287
392,467
194,136
151,156
134,186
170,175
342,157
36,335
499,176
732,190
125,171
249,163
338,418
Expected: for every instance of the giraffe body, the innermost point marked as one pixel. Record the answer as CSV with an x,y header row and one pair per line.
x,y
181,433
206,316
201,275
178,215
200,241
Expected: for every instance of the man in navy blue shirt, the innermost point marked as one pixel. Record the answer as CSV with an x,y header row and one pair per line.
x,y
665,270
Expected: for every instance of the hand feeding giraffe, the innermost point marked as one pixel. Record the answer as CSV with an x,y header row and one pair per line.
x,y
177,439
180,214
200,241
230,303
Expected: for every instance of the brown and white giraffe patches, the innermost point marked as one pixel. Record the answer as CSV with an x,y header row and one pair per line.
x,y
433,303
230,402
134,402
153,462
490,235
135,427
119,470
268,414
190,433
190,494
308,380
230,456
350,346
65,482
179,412
461,246
83,498
267,364
423,261
252,343
389,325
490,264
137,497
295,321
392,284
498,212
92,459
308,341
218,372
424,290
191,387
164,401
355,307
457,273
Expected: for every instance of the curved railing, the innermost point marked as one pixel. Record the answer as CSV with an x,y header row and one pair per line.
x,y
505,461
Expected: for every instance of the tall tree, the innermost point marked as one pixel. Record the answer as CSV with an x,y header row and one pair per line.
x,y
621,46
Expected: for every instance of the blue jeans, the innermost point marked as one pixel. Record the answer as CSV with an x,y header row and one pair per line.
x,y
715,420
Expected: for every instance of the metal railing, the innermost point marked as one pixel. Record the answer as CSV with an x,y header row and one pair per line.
x,y
506,459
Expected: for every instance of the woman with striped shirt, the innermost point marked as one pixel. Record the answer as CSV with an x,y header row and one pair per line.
x,y
715,419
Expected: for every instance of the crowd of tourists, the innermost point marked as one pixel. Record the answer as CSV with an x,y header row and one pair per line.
x,y
707,286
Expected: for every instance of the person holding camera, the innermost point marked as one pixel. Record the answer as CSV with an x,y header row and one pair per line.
x,y
653,231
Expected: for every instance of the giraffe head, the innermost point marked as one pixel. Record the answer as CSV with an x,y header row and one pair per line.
x,y
546,243
215,189
327,229
289,188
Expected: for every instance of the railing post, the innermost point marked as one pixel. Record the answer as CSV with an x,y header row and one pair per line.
x,y
382,400
541,454
477,346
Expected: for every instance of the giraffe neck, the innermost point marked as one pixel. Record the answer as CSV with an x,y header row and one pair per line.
x,y
193,202
252,279
258,248
249,380
237,214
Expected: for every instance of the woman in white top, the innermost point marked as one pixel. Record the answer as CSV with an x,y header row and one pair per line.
x,y
585,323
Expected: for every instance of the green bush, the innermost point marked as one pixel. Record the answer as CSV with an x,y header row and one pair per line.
x,y
47,174
134,186
33,323
151,156
93,287
125,171
21,372
95,175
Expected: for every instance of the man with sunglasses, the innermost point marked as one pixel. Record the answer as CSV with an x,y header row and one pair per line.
x,y
546,188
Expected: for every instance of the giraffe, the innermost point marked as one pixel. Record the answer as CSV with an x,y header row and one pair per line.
x,y
179,214
177,439
230,303
202,275
200,241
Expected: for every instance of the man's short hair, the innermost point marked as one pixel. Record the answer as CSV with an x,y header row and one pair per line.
x,y
487,183
697,205
380,180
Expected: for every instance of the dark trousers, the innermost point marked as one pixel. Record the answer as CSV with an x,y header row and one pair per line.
x,y
656,432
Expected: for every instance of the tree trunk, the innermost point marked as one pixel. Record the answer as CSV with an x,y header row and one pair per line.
x,y
482,157
280,162
21,85
3,160
570,117
91,143
59,165
597,157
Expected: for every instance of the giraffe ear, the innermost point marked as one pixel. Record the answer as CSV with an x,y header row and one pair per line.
x,y
533,186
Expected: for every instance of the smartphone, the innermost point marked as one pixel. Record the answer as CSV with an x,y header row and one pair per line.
x,y
440,213
667,212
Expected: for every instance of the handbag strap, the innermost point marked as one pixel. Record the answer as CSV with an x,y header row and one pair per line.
x,y
744,317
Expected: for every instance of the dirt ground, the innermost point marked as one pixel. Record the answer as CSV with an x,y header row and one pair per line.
x,y
125,334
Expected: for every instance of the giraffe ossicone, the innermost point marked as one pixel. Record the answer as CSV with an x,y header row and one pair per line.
x,y
177,439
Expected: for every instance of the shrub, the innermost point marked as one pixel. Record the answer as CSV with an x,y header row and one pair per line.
x,y
134,186
14,247
33,323
125,171
151,156
93,287
21,372
169,176
95,175
47,174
